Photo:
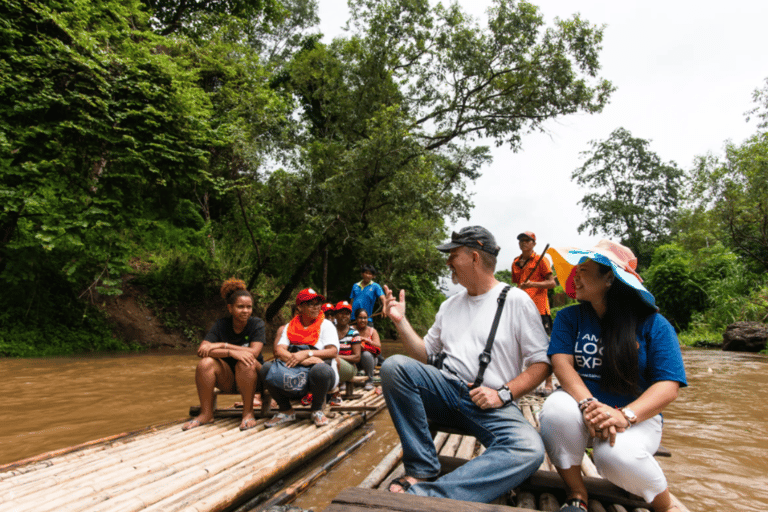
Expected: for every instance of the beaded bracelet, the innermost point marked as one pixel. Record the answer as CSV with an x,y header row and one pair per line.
x,y
583,403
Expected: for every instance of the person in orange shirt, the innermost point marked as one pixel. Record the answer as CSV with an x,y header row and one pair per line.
x,y
537,284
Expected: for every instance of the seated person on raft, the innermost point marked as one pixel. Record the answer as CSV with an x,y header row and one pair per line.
x,y
230,356
615,399
459,394
371,346
308,328
349,342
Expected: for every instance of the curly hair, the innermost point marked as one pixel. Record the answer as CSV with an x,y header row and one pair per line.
x,y
233,288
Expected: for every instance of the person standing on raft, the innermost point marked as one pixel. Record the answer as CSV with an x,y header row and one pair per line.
x,y
535,279
416,391
619,364
230,356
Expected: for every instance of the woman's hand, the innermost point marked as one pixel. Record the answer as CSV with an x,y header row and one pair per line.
x,y
311,360
297,358
246,357
603,421
204,350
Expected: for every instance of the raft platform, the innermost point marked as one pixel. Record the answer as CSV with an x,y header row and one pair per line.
x,y
163,469
542,492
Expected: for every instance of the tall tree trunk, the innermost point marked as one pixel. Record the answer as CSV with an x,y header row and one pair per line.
x,y
300,274
325,271
7,229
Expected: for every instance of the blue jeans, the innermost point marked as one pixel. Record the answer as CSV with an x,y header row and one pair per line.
x,y
415,391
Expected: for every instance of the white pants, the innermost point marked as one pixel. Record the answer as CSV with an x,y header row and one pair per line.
x,y
628,464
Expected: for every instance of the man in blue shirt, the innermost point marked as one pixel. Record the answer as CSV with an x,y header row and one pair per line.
x,y
365,293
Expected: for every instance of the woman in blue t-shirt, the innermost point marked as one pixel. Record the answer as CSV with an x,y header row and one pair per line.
x,y
619,364
230,356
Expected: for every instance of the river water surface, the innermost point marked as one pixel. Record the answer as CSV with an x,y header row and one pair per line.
x,y
717,430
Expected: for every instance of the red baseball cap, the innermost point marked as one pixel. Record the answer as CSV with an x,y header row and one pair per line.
x,y
326,307
308,294
529,234
343,305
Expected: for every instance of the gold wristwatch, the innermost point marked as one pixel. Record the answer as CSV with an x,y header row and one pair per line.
x,y
309,353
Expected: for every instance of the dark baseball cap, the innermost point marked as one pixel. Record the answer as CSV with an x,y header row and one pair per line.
x,y
527,234
472,236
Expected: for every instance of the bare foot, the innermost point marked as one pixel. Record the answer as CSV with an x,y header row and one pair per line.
x,y
196,422
248,422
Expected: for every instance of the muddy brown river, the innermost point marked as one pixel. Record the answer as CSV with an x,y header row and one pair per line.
x,y
717,430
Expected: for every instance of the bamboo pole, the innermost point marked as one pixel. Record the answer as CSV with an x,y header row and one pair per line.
x,y
292,492
121,466
189,494
526,500
548,503
227,453
450,446
595,506
467,448
229,492
59,474
144,496
378,474
54,453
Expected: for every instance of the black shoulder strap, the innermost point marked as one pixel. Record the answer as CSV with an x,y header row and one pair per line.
x,y
485,356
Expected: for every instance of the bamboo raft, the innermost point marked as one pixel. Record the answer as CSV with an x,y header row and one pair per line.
x,y
161,468
543,492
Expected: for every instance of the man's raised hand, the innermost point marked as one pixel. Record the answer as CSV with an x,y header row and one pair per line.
x,y
394,309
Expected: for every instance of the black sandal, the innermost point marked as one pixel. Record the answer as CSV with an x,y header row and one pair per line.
x,y
574,505
402,481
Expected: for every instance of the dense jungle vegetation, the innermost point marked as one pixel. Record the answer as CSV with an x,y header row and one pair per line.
x,y
180,143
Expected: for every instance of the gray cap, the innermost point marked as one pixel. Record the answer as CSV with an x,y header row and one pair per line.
x,y
472,236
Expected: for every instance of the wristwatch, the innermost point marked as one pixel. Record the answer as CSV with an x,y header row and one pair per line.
x,y
309,353
505,395
630,415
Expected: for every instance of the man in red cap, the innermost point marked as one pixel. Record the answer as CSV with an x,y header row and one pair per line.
x,y
536,284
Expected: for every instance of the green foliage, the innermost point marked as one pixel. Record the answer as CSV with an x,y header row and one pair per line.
x,y
732,194
675,285
99,126
118,144
706,290
42,319
388,114
505,276
633,194
181,280
423,300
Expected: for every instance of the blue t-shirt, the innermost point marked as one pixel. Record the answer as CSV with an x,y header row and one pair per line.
x,y
365,297
577,332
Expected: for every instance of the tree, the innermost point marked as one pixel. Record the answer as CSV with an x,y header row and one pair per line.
x,y
389,114
633,195
171,16
732,194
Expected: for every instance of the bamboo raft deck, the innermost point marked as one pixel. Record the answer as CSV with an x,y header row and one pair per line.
x,y
210,468
543,492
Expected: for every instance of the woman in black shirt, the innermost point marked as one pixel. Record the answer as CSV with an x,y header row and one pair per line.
x,y
230,356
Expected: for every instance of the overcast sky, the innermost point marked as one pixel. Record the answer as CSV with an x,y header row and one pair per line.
x,y
684,72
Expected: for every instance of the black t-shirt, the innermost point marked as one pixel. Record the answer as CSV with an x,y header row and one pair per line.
x,y
223,332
